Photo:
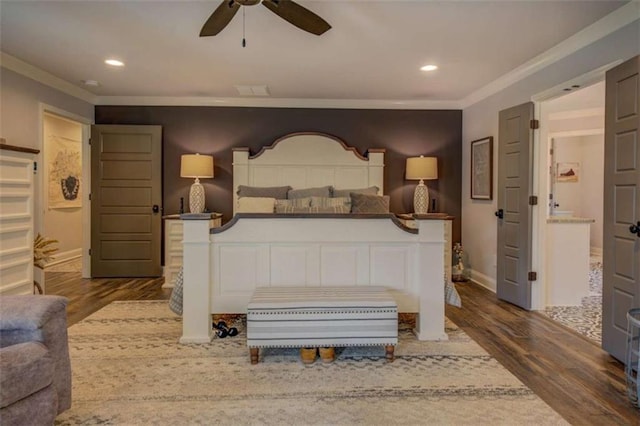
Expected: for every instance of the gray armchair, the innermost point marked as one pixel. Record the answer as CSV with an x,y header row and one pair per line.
x,y
35,371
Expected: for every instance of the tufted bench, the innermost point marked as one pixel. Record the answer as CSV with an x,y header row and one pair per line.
x,y
282,317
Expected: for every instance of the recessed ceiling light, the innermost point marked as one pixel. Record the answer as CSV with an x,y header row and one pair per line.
x,y
429,68
90,83
114,62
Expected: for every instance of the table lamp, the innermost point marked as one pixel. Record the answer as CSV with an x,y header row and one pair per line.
x,y
196,166
421,168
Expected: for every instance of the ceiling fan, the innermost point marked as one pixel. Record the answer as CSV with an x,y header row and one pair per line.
x,y
288,10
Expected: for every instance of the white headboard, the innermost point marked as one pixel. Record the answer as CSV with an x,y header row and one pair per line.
x,y
307,160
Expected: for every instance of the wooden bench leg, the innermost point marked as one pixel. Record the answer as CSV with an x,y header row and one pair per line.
x,y
389,352
254,353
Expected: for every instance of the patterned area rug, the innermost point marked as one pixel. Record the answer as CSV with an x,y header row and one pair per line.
x,y
586,319
129,369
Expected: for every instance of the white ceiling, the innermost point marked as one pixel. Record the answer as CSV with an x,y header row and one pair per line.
x,y
373,52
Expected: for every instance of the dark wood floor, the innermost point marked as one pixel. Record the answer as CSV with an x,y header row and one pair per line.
x,y
570,373
87,296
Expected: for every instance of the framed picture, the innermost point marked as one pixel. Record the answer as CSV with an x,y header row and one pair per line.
x,y
64,171
568,172
482,169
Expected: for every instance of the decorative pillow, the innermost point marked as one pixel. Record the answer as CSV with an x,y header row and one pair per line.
x,y
366,203
373,190
309,210
324,202
296,202
323,191
255,205
277,192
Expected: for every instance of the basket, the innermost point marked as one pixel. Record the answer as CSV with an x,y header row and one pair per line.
x,y
632,364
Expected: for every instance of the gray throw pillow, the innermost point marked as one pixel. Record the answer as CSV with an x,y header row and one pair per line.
x,y
323,191
373,190
366,203
277,192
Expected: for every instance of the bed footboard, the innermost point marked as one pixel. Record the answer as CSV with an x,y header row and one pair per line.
x,y
223,269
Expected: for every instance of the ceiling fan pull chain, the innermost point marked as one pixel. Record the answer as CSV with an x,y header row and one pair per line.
x,y
244,41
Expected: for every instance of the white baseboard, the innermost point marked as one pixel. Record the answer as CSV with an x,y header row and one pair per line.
x,y
483,280
65,256
596,251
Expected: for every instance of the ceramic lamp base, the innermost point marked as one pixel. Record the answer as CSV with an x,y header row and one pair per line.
x,y
421,199
196,198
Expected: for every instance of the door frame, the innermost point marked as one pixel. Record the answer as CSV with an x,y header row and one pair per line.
x,y
541,182
86,123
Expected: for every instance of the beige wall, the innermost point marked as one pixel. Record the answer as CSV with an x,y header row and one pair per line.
x,y
479,225
21,100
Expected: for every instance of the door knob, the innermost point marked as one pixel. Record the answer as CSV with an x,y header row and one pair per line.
x,y
155,208
635,229
500,214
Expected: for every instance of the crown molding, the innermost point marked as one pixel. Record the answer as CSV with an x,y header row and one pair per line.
x,y
16,65
600,29
277,102
617,19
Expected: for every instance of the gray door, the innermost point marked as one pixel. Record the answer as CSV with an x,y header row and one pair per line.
x,y
621,251
515,155
126,195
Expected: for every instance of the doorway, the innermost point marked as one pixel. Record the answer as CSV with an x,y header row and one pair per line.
x,y
570,180
63,196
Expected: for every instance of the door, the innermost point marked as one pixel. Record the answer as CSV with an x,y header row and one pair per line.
x,y
515,158
126,192
621,236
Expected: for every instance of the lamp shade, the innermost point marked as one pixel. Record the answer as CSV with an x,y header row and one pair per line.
x,y
419,168
196,166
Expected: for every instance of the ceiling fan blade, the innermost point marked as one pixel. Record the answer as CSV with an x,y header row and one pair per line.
x,y
297,15
219,18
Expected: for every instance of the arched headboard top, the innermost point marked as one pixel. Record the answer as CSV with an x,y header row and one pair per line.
x,y
302,139
307,160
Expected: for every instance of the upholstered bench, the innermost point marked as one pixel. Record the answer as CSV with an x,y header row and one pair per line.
x,y
281,317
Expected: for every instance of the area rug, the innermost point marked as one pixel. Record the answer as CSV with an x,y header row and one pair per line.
x,y
128,368
585,319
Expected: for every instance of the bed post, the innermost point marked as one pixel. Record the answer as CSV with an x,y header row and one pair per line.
x,y
196,298
240,172
376,168
430,324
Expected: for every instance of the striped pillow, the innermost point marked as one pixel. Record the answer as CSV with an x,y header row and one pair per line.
x,y
311,210
326,202
293,203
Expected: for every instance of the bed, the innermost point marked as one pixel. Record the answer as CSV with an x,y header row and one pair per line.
x,y
224,266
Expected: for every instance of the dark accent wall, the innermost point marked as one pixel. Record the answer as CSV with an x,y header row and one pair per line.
x,y
216,130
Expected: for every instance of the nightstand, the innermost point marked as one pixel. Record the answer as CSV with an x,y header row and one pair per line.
x,y
173,245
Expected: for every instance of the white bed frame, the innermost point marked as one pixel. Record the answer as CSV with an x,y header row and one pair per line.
x,y
308,160
223,266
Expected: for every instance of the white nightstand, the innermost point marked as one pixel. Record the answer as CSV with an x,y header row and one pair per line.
x,y
173,245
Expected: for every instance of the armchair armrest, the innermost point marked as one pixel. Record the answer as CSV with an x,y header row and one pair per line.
x,y
41,319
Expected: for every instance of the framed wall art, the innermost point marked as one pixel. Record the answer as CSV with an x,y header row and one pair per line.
x,y
482,169
568,172
64,171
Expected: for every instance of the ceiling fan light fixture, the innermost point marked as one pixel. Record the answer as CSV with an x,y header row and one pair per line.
x,y
114,62
429,67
